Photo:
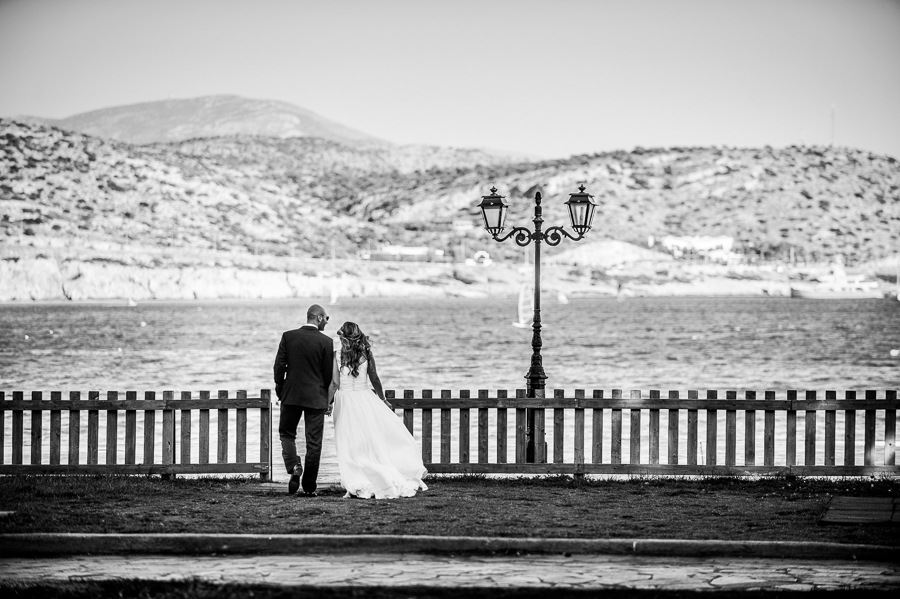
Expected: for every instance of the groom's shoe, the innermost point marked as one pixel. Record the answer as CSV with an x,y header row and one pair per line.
x,y
294,483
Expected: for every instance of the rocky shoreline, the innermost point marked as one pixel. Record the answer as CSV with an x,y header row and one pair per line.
x,y
67,278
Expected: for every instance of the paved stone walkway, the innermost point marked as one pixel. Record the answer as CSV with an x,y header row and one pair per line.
x,y
528,571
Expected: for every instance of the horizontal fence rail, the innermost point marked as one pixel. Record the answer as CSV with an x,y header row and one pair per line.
x,y
501,435
178,448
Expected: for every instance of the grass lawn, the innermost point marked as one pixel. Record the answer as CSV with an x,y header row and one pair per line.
x,y
771,509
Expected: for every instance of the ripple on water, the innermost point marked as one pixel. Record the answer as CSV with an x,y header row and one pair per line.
x,y
593,343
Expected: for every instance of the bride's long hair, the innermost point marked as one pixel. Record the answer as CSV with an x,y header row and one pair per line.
x,y
355,347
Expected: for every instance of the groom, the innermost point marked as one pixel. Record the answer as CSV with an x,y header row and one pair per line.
x,y
303,380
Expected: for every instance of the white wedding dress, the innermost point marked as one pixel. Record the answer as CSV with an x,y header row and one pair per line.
x,y
377,456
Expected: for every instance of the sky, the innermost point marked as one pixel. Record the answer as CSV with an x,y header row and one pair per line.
x,y
547,79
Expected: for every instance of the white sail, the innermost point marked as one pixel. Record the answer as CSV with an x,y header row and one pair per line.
x,y
334,297
526,307
561,298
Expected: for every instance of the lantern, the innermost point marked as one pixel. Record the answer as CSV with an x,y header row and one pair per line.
x,y
581,210
493,209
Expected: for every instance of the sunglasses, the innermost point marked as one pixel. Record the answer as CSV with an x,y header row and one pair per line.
x,y
326,317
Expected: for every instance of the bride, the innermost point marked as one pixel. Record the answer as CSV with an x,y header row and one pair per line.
x,y
376,454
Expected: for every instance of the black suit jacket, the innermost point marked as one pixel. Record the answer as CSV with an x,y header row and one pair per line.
x,y
303,368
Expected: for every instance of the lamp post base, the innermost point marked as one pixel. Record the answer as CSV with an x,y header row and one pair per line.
x,y
534,390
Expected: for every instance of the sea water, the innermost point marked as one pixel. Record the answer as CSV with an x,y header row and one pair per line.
x,y
642,343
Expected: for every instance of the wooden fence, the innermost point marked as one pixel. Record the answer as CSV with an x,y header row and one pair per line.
x,y
171,460
596,434
493,412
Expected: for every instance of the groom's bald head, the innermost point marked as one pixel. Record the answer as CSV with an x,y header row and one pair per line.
x,y
316,315
313,311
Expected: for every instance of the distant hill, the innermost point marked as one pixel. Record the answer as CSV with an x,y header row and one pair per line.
x,y
208,116
279,195
300,195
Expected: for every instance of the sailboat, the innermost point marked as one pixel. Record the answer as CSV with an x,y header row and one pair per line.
x,y
561,298
526,307
334,297
897,280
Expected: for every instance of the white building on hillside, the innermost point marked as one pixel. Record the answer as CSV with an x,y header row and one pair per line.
x,y
714,247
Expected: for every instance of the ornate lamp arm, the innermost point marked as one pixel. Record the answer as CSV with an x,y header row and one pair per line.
x,y
554,235
523,236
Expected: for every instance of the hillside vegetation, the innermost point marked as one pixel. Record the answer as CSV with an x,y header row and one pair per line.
x,y
261,194
308,196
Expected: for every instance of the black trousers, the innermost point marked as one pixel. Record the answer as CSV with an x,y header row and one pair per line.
x,y
314,422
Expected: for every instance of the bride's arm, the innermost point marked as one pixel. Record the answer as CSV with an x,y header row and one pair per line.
x,y
376,382
335,383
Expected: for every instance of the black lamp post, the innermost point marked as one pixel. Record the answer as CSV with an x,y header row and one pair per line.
x,y
581,213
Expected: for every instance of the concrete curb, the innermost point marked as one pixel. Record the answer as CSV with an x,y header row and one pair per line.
x,y
63,544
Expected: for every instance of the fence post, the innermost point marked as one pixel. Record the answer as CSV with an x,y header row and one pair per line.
x,y
240,434
869,431
74,429
445,428
597,429
501,429
730,430
482,428
521,431
168,433
849,429
265,434
408,413
890,430
464,428
830,427
93,430
185,431
769,432
750,431
36,427
559,425
55,429
579,433
634,451
712,429
203,441
426,429
149,431
2,429
130,430
112,430
615,449
222,425
674,436
18,430
653,431
692,440
809,449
